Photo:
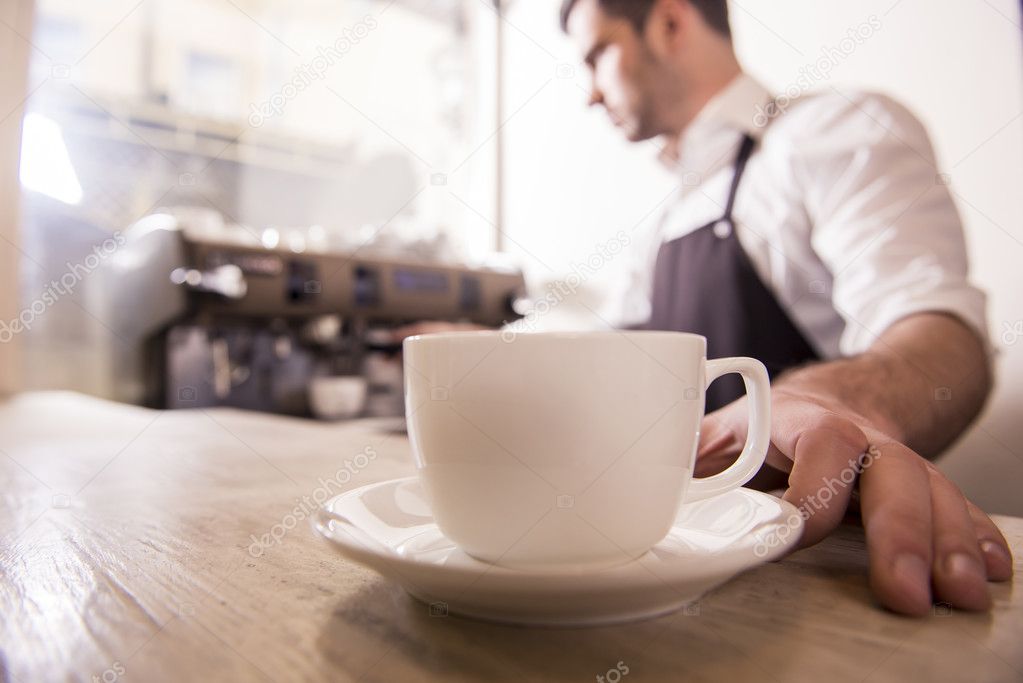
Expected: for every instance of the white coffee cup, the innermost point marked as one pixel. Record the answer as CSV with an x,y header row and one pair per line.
x,y
567,449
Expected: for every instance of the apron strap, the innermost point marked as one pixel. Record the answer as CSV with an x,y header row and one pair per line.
x,y
745,151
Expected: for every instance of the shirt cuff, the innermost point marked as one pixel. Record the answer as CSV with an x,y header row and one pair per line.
x,y
969,306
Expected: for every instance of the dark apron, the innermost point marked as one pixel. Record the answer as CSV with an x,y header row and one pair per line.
x,y
705,283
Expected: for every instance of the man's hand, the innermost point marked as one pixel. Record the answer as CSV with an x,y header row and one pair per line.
x,y
920,528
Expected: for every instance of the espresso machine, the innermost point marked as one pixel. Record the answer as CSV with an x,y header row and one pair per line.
x,y
214,321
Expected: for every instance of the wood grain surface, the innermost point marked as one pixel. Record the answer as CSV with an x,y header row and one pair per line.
x,y
127,552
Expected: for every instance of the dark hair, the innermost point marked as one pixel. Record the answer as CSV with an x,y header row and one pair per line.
x,y
714,12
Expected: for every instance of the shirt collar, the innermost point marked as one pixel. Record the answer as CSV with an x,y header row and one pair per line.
x,y
732,111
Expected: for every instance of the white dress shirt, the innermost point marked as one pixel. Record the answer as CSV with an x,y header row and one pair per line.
x,y
841,210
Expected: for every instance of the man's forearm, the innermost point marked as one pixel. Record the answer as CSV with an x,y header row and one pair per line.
x,y
923,381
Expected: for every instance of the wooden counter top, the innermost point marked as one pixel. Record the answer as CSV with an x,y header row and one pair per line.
x,y
125,553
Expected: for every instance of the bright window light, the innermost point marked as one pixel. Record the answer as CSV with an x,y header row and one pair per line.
x,y
45,164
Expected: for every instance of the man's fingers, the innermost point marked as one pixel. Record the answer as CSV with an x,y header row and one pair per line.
x,y
997,556
824,471
960,576
717,449
717,438
895,501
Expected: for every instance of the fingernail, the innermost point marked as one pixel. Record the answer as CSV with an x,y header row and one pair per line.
x,y
961,564
913,573
992,548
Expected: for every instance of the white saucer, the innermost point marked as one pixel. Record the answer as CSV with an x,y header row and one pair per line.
x,y
388,527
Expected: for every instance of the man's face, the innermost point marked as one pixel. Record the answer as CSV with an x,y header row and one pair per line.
x,y
621,66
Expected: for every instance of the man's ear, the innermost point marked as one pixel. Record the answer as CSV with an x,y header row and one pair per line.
x,y
669,20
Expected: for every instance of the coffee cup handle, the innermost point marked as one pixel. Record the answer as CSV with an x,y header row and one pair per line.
x,y
758,440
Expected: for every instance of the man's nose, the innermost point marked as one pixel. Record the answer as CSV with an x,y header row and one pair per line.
x,y
596,97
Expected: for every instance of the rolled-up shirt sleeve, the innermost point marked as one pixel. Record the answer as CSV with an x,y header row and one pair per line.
x,y
884,222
